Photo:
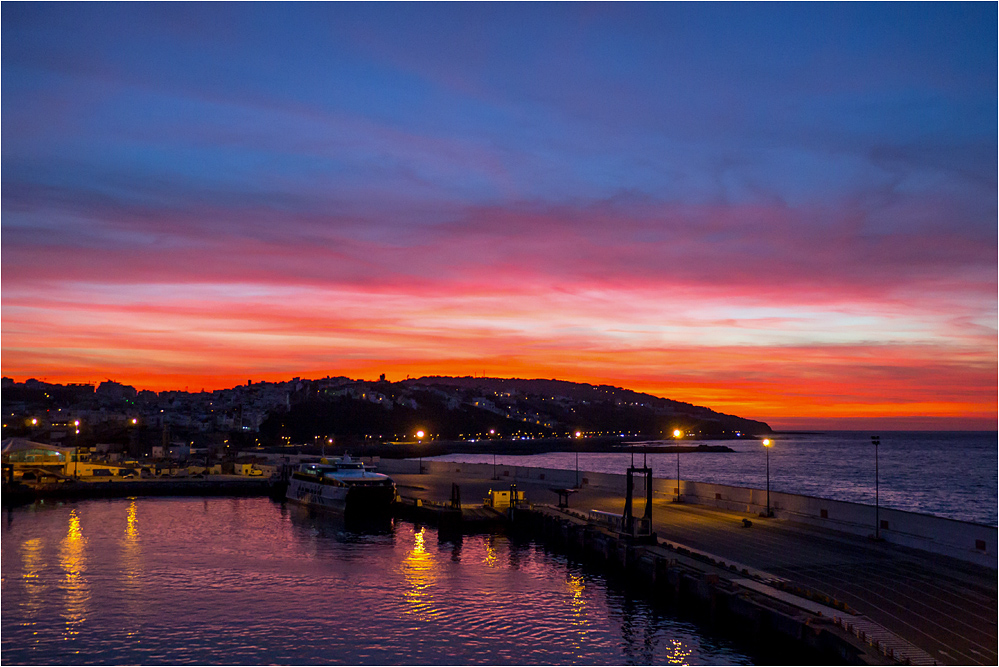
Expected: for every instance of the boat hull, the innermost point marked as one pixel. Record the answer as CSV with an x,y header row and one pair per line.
x,y
374,499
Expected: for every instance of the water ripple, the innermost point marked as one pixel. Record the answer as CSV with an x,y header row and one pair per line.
x,y
247,581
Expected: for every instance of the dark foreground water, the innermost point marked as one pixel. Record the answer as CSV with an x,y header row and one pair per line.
x,y
249,581
949,474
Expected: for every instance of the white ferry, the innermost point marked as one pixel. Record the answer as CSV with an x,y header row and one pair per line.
x,y
342,486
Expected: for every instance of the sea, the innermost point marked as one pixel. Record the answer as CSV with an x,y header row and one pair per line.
x,y
253,581
947,474
250,581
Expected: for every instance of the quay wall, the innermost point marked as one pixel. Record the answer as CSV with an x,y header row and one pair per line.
x,y
972,542
787,634
115,488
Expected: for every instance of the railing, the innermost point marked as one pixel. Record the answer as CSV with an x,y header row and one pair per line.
x,y
609,518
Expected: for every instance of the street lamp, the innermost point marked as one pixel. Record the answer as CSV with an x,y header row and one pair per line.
x,y
579,434
676,434
419,442
767,445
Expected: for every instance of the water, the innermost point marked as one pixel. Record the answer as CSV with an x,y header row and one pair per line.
x,y
948,474
249,581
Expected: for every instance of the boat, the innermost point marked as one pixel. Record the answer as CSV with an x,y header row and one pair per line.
x,y
343,485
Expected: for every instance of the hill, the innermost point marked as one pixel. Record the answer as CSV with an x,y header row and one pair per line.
x,y
597,407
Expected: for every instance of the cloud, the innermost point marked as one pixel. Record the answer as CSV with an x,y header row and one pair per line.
x,y
650,195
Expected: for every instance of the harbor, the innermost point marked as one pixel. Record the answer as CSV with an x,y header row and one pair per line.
x,y
763,567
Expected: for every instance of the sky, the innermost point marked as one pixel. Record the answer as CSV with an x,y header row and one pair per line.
x,y
786,212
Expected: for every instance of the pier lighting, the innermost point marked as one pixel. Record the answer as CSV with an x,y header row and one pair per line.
x,y
676,434
76,423
578,434
767,445
419,439
135,421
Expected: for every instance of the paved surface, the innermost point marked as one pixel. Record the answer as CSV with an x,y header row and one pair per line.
x,y
946,607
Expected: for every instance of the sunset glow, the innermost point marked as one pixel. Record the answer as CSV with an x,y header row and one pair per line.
x,y
782,212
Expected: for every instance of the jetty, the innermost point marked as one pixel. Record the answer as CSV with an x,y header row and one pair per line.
x,y
823,584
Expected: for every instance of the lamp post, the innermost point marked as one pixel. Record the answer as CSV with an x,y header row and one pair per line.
x,y
766,445
419,448
579,434
876,441
676,434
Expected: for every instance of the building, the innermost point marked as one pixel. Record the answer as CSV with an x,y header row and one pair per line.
x,y
21,456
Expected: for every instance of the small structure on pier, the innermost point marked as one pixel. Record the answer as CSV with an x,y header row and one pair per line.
x,y
499,500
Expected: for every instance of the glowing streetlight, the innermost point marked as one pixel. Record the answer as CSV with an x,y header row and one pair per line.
x,y
677,433
419,439
135,421
34,422
767,445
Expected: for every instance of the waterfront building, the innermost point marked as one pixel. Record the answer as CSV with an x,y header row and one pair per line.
x,y
21,456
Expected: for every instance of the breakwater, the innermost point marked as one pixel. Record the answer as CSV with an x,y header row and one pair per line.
x,y
912,602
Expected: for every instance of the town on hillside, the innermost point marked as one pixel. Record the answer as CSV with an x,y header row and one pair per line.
x,y
117,422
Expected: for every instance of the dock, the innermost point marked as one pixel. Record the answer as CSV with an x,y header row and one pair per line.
x,y
905,605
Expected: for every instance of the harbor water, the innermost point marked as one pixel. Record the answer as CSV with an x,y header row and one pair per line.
x,y
947,474
252,581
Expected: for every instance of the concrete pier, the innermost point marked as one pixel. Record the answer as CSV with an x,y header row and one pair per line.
x,y
910,605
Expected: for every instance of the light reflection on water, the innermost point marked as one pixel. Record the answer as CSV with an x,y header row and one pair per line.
x,y
248,581
76,591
